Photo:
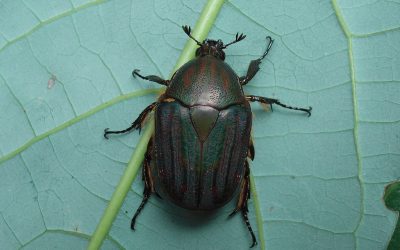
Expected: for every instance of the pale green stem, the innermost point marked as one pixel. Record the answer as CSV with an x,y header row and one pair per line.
x,y
260,225
122,189
200,32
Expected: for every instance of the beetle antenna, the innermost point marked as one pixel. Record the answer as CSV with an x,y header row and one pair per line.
x,y
237,39
187,30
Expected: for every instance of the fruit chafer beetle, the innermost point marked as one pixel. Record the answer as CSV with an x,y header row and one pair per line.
x,y
197,157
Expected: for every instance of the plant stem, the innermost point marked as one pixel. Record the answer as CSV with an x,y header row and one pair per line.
x,y
200,32
260,225
122,189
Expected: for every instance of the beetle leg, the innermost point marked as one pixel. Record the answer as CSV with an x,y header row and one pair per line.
x,y
241,205
148,184
251,152
254,65
137,124
151,78
270,101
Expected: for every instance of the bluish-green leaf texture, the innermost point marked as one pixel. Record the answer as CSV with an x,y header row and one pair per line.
x,y
319,180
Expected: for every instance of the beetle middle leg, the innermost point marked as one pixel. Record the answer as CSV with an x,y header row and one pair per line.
x,y
148,183
151,78
254,65
241,205
137,124
270,101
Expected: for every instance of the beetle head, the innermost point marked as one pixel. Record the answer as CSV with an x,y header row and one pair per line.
x,y
212,47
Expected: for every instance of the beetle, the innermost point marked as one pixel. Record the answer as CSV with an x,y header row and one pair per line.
x,y
198,155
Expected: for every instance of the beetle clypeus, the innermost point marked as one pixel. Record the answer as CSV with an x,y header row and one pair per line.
x,y
197,156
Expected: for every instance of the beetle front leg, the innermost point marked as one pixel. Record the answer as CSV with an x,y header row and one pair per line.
x,y
137,124
151,78
254,65
270,101
241,205
148,183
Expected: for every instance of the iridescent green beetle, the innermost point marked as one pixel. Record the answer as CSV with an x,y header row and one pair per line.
x,y
197,156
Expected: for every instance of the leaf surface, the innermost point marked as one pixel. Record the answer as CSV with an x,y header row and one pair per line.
x,y
65,75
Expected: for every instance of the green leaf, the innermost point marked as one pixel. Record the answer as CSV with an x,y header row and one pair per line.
x,y
392,201
319,180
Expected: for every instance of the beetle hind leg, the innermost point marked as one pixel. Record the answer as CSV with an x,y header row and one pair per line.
x,y
137,124
151,78
241,205
148,184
